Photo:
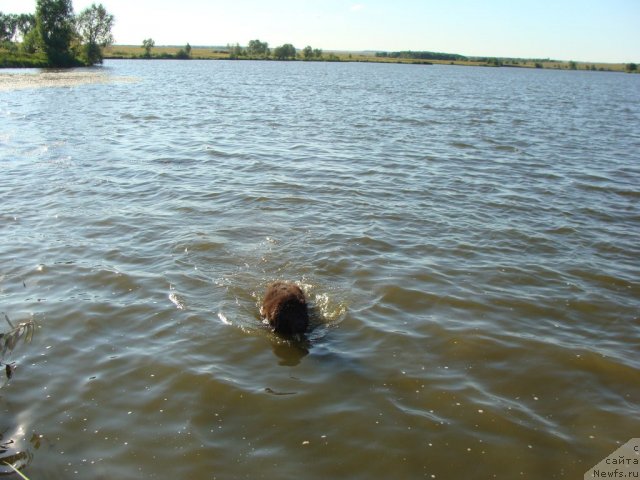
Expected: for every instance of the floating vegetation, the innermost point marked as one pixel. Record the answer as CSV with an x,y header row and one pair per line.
x,y
12,459
67,79
23,331
22,475
9,340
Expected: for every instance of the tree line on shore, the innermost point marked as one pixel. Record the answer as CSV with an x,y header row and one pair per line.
x,y
54,36
408,54
255,50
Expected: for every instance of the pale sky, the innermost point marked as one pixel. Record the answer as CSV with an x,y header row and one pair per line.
x,y
581,30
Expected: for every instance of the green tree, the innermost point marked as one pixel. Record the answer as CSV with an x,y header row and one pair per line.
x,y
148,44
307,52
26,24
94,26
631,67
235,51
256,48
55,25
13,26
184,53
8,27
285,52
31,41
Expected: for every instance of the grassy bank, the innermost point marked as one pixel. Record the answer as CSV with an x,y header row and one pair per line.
x,y
15,58
10,59
221,53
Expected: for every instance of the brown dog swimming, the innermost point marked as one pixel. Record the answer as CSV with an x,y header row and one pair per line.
x,y
285,308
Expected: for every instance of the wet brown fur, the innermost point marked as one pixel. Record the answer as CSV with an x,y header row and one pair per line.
x,y
285,308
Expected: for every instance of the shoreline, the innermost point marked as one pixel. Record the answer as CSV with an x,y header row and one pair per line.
x,y
131,52
219,53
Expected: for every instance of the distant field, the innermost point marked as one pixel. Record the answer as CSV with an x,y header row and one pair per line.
x,y
220,53
131,51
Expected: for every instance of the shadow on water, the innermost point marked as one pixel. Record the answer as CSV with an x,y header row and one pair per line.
x,y
290,351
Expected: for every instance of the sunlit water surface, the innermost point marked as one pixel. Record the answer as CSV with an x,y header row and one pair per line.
x,y
468,238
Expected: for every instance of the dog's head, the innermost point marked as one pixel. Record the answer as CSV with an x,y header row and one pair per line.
x,y
285,308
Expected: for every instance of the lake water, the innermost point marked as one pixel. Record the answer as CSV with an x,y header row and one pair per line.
x,y
468,238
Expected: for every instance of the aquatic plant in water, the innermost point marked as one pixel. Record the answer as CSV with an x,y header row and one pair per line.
x,y
22,475
9,340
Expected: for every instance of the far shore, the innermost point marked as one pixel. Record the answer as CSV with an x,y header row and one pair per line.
x,y
17,60
221,53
